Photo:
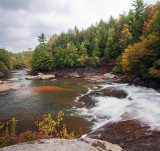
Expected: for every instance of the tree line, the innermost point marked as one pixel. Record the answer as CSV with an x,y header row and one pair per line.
x,y
15,61
132,41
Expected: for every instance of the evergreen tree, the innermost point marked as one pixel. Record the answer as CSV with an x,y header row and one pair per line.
x,y
42,39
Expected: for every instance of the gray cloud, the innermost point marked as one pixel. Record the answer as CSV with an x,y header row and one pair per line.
x,y
21,21
15,4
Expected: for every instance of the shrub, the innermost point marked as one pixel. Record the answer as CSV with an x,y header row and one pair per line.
x,y
48,128
54,128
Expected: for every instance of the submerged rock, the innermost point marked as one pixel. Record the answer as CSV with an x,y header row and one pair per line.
x,y
88,100
47,89
52,80
83,144
64,101
130,135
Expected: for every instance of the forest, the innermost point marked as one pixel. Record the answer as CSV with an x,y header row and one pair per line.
x,y
15,61
132,42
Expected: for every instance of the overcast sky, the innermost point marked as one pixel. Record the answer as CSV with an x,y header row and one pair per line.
x,y
22,21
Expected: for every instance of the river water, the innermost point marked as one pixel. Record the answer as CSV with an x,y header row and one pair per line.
x,y
36,98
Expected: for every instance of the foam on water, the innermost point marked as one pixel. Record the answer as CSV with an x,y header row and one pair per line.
x,y
142,104
77,98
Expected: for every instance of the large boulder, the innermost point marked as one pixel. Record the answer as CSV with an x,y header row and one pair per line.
x,y
31,77
83,144
46,77
41,76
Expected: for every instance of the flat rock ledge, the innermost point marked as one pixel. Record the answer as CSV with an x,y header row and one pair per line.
x,y
131,135
83,144
41,76
9,86
107,77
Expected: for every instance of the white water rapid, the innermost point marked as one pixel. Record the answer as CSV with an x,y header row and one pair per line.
x,y
142,104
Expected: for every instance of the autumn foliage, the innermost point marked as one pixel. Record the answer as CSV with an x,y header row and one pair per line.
x,y
143,58
48,128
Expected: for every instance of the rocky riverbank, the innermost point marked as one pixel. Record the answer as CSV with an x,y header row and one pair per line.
x,y
6,86
83,144
100,74
151,83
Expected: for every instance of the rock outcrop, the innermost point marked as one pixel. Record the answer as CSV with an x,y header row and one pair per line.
x,y
6,86
151,83
41,76
130,135
83,144
101,78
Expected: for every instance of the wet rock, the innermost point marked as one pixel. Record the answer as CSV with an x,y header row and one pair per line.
x,y
88,100
52,80
85,101
151,83
114,93
31,77
84,144
130,135
47,89
41,76
64,101
9,86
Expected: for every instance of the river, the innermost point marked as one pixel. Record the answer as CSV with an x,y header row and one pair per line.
x,y
109,103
